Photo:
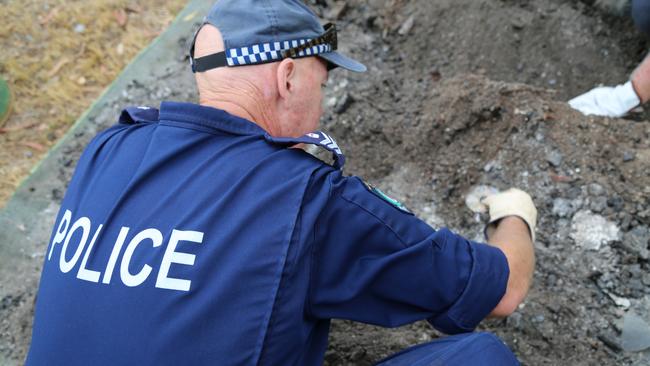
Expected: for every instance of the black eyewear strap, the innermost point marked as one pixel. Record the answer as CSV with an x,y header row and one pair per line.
x,y
219,59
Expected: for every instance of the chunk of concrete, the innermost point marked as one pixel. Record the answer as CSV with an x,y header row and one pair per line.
x,y
590,231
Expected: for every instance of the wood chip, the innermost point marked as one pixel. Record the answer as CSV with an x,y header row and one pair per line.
x,y
17,128
561,178
33,145
121,16
57,67
133,8
44,19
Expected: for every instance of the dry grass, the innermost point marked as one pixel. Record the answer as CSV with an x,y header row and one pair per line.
x,y
58,56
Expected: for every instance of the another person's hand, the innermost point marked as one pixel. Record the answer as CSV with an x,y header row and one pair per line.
x,y
607,101
513,202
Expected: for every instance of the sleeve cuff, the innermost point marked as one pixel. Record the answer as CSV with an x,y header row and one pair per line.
x,y
486,286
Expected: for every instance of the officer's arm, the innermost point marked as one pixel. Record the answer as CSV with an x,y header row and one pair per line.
x,y
376,263
511,235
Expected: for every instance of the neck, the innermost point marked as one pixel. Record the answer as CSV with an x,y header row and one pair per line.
x,y
247,103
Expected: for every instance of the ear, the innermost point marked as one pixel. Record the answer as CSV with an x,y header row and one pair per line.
x,y
286,77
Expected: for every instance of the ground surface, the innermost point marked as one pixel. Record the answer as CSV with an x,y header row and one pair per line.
x,y
471,92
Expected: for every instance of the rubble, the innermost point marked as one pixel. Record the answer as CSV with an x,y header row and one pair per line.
x,y
590,231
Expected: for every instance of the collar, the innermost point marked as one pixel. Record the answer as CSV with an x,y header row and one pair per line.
x,y
208,117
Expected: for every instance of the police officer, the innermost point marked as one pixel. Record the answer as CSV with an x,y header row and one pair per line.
x,y
200,234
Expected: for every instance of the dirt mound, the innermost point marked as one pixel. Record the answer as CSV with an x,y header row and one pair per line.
x,y
429,123
476,131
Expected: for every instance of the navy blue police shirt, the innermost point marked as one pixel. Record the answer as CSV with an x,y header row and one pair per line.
x,y
192,237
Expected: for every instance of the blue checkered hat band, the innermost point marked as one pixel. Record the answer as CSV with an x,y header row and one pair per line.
x,y
268,52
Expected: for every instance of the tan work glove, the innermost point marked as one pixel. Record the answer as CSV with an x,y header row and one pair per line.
x,y
513,202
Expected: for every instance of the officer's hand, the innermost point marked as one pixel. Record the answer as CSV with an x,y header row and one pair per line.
x,y
607,101
513,202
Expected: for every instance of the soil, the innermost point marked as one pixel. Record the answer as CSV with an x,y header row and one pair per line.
x,y
468,92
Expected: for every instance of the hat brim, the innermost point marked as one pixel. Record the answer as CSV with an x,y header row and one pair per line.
x,y
337,59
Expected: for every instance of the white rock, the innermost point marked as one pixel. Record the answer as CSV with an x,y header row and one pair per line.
x,y
476,194
590,231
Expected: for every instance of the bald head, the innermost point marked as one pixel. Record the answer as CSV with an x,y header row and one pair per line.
x,y
282,97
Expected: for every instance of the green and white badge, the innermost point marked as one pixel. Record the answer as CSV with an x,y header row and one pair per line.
x,y
379,193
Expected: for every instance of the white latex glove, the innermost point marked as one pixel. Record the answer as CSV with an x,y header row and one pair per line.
x,y
513,202
607,101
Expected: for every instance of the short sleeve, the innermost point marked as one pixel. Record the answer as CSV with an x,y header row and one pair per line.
x,y
375,262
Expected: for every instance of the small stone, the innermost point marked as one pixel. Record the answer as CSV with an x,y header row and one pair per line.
x,y
596,189
79,28
338,10
405,28
514,320
473,198
538,318
562,207
616,203
636,241
552,82
610,341
343,103
598,204
554,157
629,156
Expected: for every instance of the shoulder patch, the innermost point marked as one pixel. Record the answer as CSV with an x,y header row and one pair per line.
x,y
379,193
317,138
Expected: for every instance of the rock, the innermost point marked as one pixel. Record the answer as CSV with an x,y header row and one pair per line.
x,y
610,341
636,241
628,156
79,28
405,28
573,193
596,189
476,194
619,301
590,231
636,333
514,320
616,203
338,10
598,204
343,103
554,157
562,207
517,23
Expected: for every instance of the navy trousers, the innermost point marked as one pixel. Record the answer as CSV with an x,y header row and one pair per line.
x,y
641,15
476,349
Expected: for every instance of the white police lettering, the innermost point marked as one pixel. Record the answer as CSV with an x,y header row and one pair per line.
x,y
87,274
80,230
134,280
117,248
172,256
60,232
83,224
